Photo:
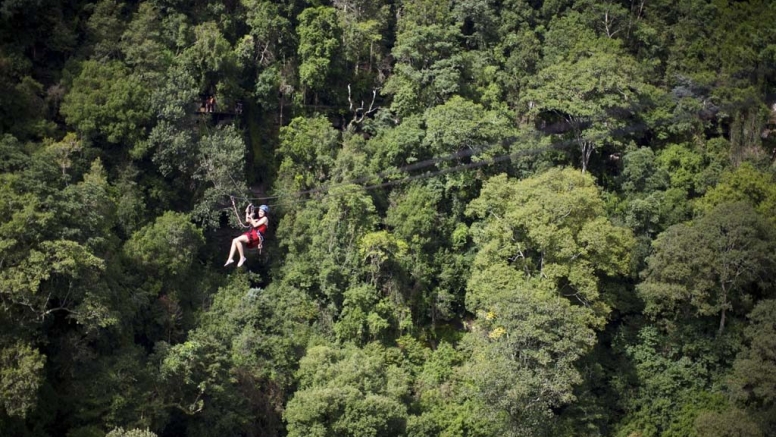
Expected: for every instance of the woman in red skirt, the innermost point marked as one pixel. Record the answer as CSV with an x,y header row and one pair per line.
x,y
254,237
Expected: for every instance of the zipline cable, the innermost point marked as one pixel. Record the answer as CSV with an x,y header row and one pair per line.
x,y
407,168
635,127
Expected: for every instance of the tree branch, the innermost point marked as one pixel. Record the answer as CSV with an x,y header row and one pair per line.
x,y
359,113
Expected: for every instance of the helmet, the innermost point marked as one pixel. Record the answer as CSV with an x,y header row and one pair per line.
x,y
264,208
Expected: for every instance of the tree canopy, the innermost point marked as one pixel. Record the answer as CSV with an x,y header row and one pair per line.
x,y
485,218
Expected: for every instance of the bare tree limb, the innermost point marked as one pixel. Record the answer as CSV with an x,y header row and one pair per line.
x,y
359,114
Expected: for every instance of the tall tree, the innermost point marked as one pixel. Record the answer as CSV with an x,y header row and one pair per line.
x,y
319,46
590,83
428,59
107,101
711,266
543,245
348,392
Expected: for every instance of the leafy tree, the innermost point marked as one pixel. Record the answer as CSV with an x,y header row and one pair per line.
x,y
110,388
197,377
746,184
429,63
650,205
54,264
319,44
105,27
322,241
695,406
108,101
22,105
444,399
167,247
685,167
21,376
709,267
542,244
437,266
308,147
87,211
366,315
640,173
664,390
398,146
589,83
348,392
268,28
13,155
523,355
518,48
732,422
364,27
265,49
459,124
219,168
63,150
142,42
172,141
752,382
548,231
130,202
442,302
211,60
32,283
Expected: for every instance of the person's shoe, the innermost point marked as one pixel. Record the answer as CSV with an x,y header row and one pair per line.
x,y
242,261
229,262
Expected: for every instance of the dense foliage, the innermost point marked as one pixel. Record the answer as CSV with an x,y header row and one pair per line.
x,y
488,218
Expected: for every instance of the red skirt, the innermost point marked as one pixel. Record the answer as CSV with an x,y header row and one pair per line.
x,y
254,238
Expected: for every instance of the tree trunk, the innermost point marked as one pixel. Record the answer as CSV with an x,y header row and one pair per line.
x,y
586,147
722,322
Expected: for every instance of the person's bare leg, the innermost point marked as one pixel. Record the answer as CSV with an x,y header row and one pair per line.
x,y
242,254
237,246
231,253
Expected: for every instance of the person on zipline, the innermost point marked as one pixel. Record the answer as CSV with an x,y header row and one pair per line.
x,y
254,237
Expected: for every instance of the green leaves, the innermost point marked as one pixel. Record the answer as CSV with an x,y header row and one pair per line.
x,y
711,266
752,382
586,87
33,283
429,297
522,356
745,183
142,42
21,376
543,245
167,246
429,65
319,42
108,101
194,369
219,167
307,152
349,392
548,230
211,56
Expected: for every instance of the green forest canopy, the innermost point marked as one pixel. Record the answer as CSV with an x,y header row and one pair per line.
x,y
488,218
